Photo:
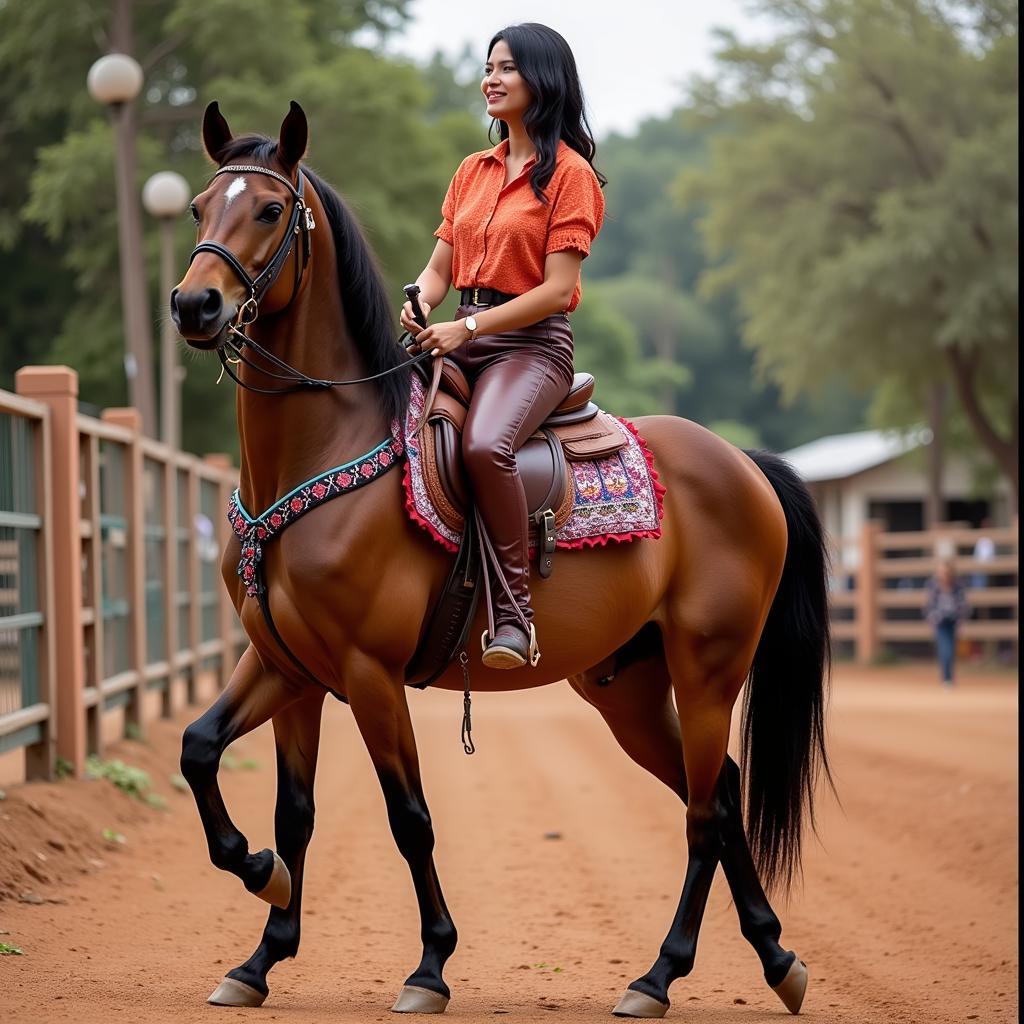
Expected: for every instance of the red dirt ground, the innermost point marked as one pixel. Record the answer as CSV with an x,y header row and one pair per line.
x,y
908,912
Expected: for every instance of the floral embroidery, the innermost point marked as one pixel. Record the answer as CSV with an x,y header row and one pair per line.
x,y
253,531
618,499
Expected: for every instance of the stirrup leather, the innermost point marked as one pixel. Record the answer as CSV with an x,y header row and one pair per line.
x,y
533,653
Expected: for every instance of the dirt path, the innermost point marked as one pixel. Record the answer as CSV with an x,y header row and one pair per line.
x,y
908,912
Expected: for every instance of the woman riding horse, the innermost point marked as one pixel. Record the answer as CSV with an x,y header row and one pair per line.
x,y
333,582
518,221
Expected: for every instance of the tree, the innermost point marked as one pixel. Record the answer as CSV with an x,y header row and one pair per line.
x,y
647,263
387,134
864,206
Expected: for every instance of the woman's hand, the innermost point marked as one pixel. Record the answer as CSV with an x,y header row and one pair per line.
x,y
444,337
408,321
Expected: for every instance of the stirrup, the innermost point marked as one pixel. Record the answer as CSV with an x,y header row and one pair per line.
x,y
532,653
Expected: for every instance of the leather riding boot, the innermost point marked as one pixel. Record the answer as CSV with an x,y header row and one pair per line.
x,y
510,647
518,380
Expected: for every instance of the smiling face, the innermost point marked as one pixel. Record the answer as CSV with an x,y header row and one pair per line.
x,y
503,87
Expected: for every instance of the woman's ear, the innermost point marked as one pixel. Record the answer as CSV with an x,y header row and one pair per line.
x,y
216,133
291,146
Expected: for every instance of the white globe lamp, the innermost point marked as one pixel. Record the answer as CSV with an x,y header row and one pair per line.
x,y
115,78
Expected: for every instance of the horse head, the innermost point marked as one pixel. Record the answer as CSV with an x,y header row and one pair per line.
x,y
249,219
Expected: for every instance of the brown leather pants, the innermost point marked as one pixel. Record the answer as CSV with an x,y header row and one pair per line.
x,y
518,378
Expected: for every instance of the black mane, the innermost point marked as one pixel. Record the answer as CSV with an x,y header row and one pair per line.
x,y
364,298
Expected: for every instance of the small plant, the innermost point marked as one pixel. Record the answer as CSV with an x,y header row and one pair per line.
x,y
6,949
156,801
62,768
177,780
132,731
130,780
114,837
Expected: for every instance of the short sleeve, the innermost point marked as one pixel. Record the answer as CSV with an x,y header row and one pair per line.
x,y
578,211
445,230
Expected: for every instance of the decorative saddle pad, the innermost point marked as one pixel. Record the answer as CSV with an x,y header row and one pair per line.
x,y
617,498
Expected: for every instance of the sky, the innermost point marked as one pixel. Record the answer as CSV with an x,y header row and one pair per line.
x,y
633,55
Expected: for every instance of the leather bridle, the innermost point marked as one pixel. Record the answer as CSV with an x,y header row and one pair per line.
x,y
300,222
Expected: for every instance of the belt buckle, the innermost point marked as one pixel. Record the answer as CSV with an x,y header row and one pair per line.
x,y
476,296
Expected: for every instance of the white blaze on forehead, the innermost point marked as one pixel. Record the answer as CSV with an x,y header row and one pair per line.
x,y
235,189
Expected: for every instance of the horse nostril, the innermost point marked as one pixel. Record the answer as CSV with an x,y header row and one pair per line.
x,y
175,315
213,304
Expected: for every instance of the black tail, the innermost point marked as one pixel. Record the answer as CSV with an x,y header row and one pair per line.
x,y
784,712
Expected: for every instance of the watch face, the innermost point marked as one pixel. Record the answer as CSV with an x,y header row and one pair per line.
x,y
471,323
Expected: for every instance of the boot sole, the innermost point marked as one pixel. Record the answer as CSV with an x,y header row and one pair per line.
x,y
497,656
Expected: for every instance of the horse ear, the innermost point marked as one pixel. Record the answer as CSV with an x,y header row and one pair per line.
x,y
216,133
291,146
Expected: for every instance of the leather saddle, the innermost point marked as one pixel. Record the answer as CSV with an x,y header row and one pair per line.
x,y
577,431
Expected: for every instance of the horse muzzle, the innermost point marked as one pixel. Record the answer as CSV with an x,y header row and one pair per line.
x,y
201,317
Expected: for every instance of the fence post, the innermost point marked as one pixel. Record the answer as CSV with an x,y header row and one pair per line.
x,y
131,419
867,643
226,616
57,387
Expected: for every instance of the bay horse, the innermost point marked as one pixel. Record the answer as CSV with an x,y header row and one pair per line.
x,y
660,636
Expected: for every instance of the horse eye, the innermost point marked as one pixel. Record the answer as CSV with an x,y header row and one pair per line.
x,y
272,214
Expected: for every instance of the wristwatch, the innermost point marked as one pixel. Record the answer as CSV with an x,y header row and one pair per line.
x,y
470,322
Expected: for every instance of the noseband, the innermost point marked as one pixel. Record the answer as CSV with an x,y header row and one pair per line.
x,y
300,222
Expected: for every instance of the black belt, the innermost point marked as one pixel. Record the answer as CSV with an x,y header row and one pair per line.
x,y
485,297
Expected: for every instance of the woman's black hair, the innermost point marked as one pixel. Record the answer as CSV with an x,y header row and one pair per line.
x,y
545,62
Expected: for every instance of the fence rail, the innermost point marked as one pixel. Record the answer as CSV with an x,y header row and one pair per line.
x,y
878,593
109,572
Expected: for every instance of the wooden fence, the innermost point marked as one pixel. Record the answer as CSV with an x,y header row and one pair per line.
x,y
879,591
110,583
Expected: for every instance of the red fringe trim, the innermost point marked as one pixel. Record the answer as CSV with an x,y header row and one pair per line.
x,y
410,508
580,543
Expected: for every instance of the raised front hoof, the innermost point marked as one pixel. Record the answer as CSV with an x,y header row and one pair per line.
x,y
413,999
636,1004
793,987
278,891
235,993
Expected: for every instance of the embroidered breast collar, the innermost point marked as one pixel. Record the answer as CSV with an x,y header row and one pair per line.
x,y
254,531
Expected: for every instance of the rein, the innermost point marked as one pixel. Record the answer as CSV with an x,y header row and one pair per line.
x,y
300,222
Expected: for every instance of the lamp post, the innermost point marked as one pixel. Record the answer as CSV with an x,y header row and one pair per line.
x,y
165,197
115,80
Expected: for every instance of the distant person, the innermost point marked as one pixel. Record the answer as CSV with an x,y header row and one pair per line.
x,y
984,551
946,607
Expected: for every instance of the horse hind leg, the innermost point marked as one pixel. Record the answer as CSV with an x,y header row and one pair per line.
x,y
635,700
297,737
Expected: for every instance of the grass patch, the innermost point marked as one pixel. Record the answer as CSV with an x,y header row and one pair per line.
x,y
133,781
6,949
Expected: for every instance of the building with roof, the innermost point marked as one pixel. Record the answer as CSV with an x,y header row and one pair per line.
x,y
882,475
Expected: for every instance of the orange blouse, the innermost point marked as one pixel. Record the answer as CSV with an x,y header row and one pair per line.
x,y
502,233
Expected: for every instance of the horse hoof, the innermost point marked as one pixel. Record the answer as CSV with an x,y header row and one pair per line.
x,y
413,999
636,1004
793,987
278,891
235,993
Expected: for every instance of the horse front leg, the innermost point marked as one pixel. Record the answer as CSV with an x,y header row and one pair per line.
x,y
254,695
297,735
382,715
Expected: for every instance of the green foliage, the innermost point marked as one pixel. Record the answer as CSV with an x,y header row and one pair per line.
x,y
863,206
133,781
62,768
382,131
8,949
646,264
